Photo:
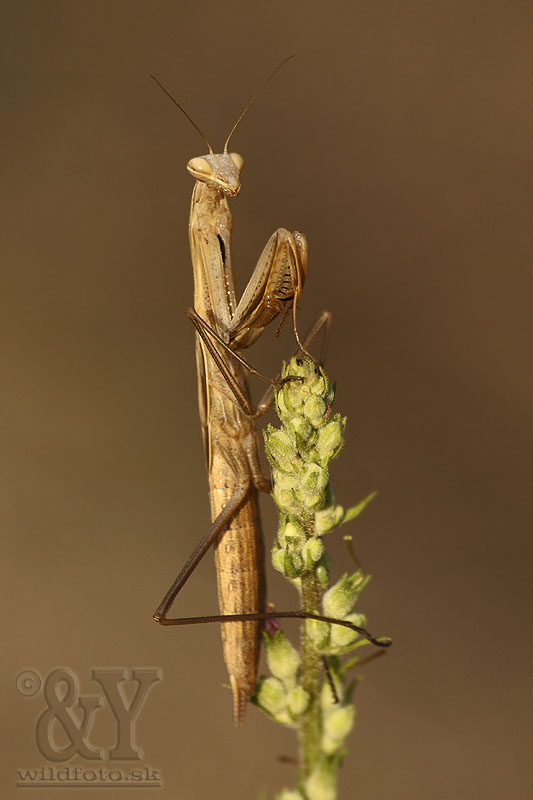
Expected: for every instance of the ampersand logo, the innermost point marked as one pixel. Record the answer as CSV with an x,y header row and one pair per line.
x,y
63,728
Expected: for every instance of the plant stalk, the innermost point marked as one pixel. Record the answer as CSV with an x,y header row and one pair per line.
x,y
310,725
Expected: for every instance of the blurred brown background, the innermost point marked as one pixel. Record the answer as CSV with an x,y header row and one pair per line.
x,y
399,140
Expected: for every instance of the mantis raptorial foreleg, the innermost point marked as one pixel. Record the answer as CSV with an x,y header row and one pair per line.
x,y
274,288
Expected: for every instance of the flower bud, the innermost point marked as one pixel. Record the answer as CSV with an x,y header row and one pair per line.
x,y
297,701
322,575
312,483
280,450
329,440
291,564
314,478
292,534
318,632
278,559
312,499
321,784
301,430
337,725
314,410
338,601
284,718
299,367
297,562
341,636
328,518
283,492
339,722
312,551
319,385
294,394
272,695
283,660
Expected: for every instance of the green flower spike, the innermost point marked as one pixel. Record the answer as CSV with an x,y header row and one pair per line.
x,y
298,694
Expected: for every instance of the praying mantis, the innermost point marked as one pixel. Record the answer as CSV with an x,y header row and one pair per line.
x,y
223,328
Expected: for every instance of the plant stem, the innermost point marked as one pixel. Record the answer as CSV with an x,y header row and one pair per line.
x,y
310,724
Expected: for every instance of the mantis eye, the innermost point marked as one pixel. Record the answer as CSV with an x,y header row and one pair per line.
x,y
237,160
200,166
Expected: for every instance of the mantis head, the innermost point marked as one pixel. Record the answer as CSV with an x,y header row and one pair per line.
x,y
219,170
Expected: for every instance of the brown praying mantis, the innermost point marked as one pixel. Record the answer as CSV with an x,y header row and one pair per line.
x,y
224,327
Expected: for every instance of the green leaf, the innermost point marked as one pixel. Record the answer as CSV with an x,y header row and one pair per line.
x,y
354,511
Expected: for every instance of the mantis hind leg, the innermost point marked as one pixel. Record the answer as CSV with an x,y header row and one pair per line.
x,y
216,528
377,641
219,525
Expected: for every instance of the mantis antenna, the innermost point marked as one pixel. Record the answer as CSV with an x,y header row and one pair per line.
x,y
202,134
254,98
250,103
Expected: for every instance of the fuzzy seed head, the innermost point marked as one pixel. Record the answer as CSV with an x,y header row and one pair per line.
x,y
343,637
338,601
328,518
337,725
329,441
320,785
312,551
272,695
297,701
283,659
